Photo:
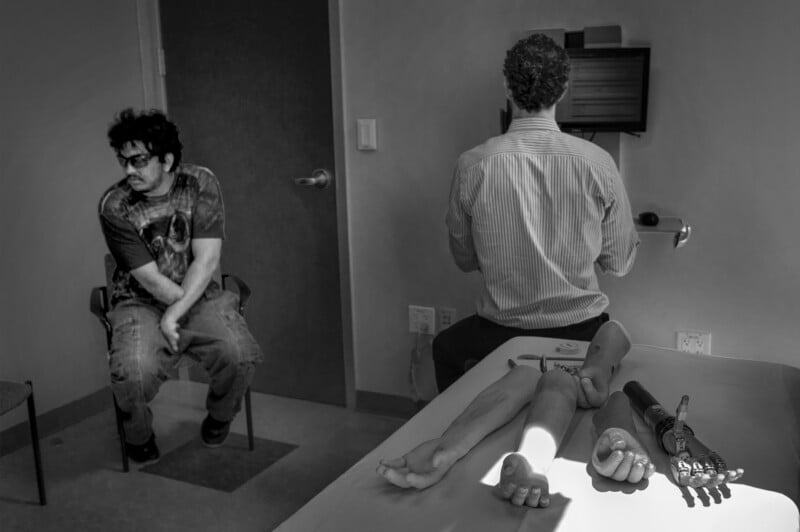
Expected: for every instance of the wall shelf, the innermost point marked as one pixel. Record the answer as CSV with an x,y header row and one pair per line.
x,y
668,224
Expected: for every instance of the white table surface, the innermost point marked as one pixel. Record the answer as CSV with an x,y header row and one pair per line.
x,y
747,411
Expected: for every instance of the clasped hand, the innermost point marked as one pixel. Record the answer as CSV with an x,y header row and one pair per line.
x,y
169,328
619,455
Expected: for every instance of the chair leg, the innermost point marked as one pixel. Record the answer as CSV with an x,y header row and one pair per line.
x,y
249,415
121,434
37,455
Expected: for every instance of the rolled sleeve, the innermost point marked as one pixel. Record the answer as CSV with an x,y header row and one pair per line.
x,y
459,226
620,239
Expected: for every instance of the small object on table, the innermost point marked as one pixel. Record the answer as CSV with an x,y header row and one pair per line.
x,y
568,348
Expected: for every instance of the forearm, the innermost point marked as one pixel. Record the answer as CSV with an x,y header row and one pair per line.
x,y
616,413
619,261
548,419
167,291
491,409
459,228
463,253
157,284
620,238
194,284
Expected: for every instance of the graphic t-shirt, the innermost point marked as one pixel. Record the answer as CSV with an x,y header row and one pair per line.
x,y
140,229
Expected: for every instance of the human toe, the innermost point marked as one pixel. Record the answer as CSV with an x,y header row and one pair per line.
x,y
519,496
506,489
537,498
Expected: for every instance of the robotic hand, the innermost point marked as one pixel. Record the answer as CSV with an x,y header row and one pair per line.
x,y
692,463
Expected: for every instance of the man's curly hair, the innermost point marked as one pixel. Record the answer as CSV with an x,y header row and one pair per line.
x,y
152,128
536,71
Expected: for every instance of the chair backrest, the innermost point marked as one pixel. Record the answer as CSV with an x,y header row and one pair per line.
x,y
111,265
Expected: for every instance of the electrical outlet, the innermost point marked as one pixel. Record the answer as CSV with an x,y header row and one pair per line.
x,y
447,317
698,342
421,319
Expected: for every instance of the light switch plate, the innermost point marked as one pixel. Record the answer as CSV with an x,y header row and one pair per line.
x,y
367,134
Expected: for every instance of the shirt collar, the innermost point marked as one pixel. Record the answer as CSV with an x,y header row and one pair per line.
x,y
529,123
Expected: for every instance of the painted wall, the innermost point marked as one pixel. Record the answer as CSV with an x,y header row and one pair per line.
x,y
719,152
66,68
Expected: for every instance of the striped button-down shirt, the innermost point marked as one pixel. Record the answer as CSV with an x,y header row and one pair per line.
x,y
535,210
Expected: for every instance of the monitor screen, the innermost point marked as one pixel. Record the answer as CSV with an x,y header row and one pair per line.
x,y
607,90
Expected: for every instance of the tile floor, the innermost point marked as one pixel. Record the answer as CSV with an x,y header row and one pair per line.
x,y
87,490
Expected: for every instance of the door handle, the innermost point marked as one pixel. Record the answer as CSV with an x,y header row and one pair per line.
x,y
320,178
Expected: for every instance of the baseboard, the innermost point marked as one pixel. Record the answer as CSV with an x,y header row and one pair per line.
x,y
389,405
19,435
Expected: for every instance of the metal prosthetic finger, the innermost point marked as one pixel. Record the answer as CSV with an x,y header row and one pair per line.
x,y
699,477
714,478
730,475
719,463
681,470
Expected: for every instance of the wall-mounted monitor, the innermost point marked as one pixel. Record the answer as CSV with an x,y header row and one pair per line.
x,y
607,90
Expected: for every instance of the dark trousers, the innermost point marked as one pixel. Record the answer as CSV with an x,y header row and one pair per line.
x,y
468,341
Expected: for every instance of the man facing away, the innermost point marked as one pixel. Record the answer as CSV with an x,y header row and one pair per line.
x,y
534,210
164,223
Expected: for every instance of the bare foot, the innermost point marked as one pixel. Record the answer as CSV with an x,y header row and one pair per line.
x,y
617,454
423,466
520,485
609,345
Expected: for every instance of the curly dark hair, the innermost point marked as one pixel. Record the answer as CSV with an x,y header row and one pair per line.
x,y
536,71
152,128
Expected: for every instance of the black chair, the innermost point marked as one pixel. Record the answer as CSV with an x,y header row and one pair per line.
x,y
99,304
13,394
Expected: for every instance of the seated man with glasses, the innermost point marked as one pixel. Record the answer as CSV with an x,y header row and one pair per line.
x,y
164,223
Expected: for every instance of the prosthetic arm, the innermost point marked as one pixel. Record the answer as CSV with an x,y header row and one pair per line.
x,y
692,463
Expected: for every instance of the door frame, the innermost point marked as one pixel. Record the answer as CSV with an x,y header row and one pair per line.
x,y
155,96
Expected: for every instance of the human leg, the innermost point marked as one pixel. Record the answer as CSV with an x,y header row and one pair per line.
x,y
216,335
618,454
523,478
495,406
139,359
463,344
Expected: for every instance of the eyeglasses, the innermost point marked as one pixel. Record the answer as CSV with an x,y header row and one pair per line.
x,y
138,161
